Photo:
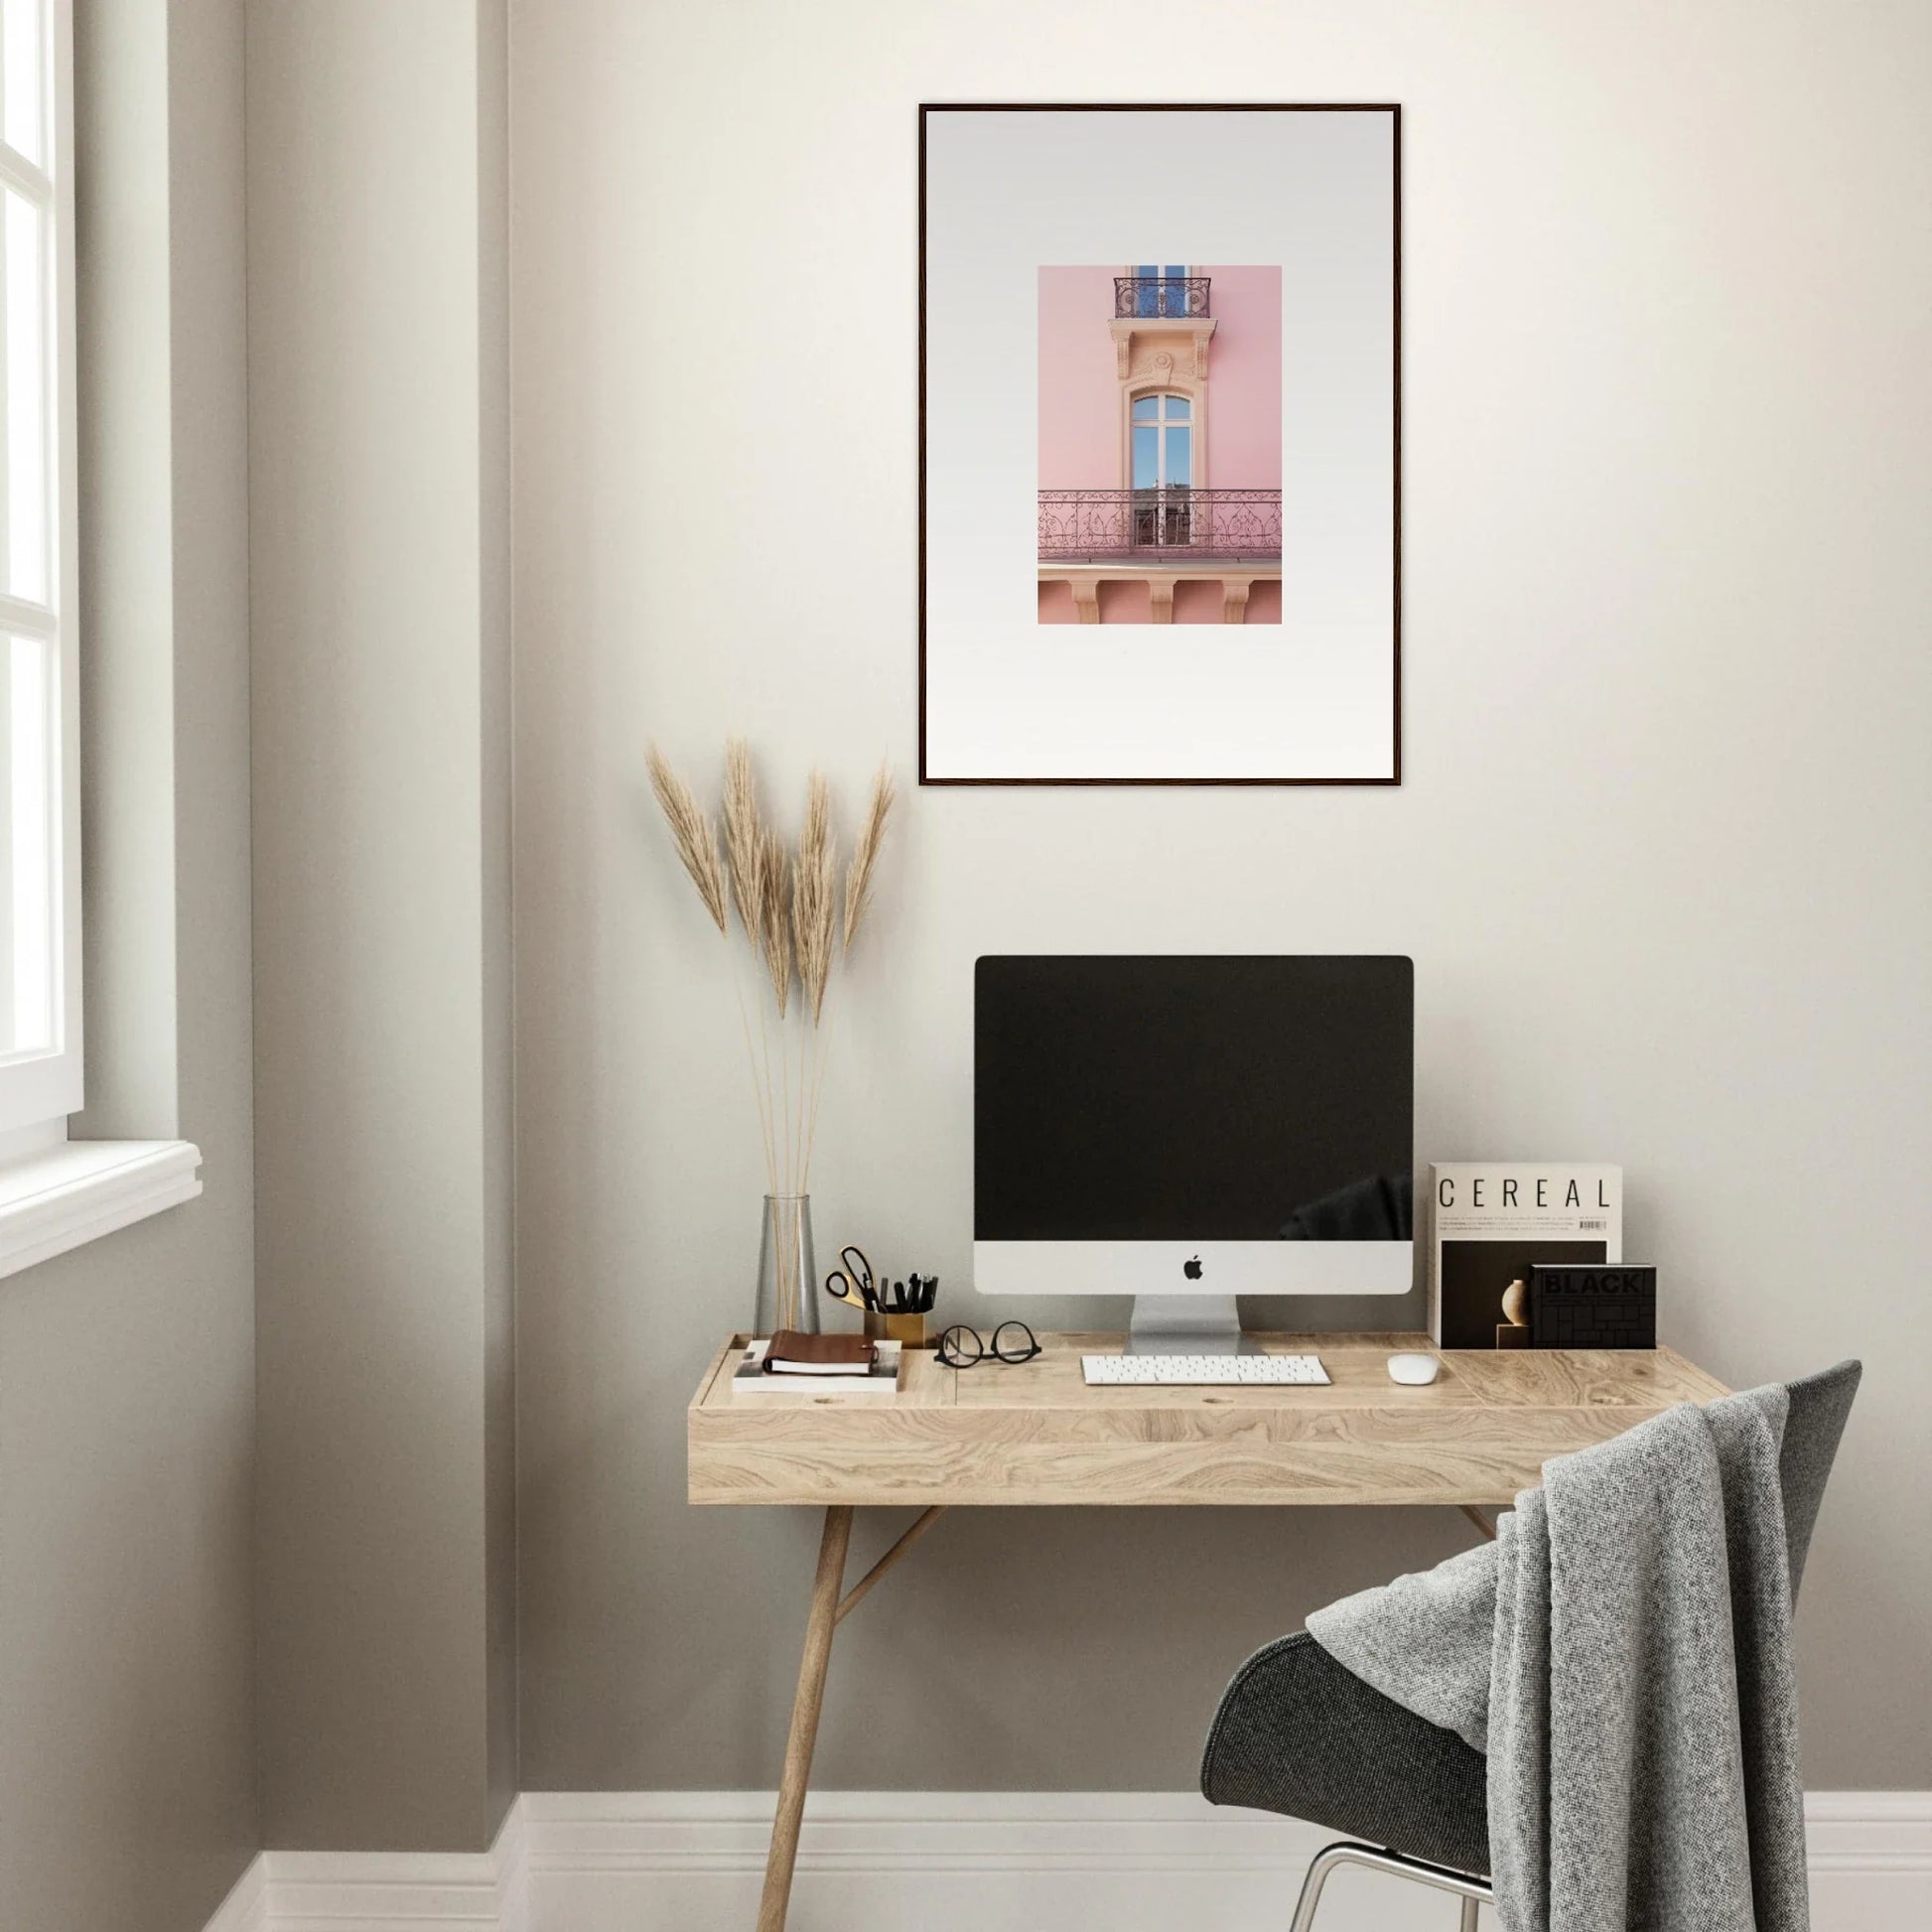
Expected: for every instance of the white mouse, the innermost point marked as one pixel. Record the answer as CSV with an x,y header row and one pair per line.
x,y
1414,1370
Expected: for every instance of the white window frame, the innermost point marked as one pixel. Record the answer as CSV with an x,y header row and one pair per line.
x,y
40,1089
1160,423
57,1192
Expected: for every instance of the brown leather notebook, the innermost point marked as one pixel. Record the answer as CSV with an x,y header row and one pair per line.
x,y
793,1354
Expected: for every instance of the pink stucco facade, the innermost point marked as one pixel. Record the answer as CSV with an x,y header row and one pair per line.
x,y
1081,446
1160,422
1080,406
1245,383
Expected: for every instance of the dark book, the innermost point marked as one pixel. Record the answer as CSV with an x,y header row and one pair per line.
x,y
793,1353
1609,1306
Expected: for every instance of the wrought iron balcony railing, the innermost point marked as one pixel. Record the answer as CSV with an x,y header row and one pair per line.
x,y
1168,527
1160,295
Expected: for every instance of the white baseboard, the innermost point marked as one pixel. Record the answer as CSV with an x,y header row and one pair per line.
x,y
955,1862
385,1891
246,1909
1870,1858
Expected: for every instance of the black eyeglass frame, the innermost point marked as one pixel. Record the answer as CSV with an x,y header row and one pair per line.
x,y
949,1358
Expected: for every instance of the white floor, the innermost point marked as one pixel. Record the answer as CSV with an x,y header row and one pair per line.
x,y
956,1861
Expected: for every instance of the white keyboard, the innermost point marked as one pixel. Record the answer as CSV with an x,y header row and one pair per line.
x,y
1201,1371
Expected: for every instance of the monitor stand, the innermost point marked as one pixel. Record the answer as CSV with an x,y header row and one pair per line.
x,y
1187,1325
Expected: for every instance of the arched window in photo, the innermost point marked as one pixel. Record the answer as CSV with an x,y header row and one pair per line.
x,y
1163,442
1163,468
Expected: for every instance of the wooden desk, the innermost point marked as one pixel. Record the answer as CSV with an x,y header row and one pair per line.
x,y
1033,1433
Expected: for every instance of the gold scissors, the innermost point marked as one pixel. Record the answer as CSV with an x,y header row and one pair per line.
x,y
852,1282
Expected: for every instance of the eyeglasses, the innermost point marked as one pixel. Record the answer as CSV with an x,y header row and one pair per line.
x,y
1012,1341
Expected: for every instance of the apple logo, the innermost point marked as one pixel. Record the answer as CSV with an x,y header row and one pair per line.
x,y
1192,1269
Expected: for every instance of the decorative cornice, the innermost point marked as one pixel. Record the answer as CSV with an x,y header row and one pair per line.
x,y
1175,334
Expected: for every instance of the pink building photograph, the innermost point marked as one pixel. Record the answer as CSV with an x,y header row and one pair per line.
x,y
1160,444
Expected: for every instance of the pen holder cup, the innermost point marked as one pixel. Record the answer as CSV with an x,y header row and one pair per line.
x,y
908,1330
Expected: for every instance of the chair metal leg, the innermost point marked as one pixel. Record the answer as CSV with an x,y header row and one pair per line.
x,y
1472,1891
1325,1862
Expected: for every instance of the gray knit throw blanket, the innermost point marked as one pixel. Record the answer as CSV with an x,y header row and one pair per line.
x,y
1622,1652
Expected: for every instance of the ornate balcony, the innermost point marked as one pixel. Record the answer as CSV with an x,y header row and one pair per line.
x,y
1154,296
1169,528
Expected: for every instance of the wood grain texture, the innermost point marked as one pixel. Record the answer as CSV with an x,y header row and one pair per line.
x,y
1033,1434
820,1620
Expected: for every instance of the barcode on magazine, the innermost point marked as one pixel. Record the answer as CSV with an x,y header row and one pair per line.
x,y
1589,1226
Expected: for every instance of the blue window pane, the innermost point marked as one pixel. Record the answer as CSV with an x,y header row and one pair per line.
x,y
1147,269
1147,458
1146,408
1177,270
1178,408
1180,456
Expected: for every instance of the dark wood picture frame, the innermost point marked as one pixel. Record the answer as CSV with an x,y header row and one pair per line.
x,y
1391,108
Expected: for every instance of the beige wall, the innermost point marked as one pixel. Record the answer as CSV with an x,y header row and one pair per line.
x,y
377,407
497,972
127,1771
1660,855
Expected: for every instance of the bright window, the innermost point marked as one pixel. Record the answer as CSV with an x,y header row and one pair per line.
x,y
1163,443
1163,288
40,1016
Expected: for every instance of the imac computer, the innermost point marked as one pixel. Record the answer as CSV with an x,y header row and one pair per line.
x,y
1185,1130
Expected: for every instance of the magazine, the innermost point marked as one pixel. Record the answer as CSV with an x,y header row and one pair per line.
x,y
1492,1219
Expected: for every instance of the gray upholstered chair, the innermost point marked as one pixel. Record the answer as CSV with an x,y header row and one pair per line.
x,y
1298,1734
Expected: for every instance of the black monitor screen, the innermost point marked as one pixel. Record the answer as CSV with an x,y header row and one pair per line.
x,y
1190,1099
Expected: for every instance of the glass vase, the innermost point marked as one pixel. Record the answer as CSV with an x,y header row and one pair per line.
x,y
787,1272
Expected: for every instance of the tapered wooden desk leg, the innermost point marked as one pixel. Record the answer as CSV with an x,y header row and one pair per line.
x,y
805,1719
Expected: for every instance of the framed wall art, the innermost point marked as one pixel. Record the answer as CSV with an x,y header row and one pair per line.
x,y
1160,444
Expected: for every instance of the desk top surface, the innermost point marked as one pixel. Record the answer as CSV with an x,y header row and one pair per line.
x,y
1035,1433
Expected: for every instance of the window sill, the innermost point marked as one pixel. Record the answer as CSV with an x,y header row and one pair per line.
x,y
81,1190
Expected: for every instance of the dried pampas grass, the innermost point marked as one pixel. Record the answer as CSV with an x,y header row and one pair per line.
x,y
787,903
743,845
814,896
691,833
774,917
865,855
